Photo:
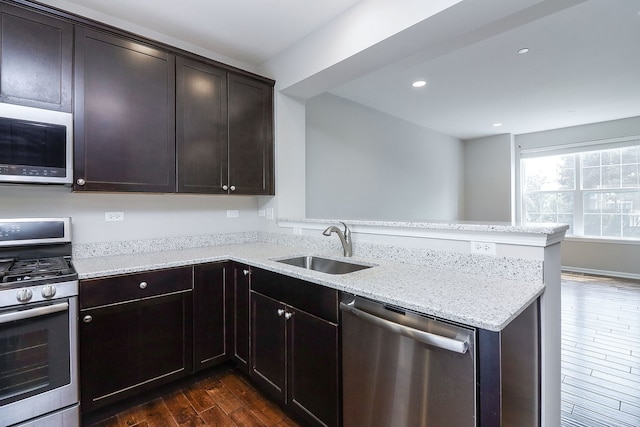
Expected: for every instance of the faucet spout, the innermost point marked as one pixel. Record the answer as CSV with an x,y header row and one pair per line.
x,y
345,237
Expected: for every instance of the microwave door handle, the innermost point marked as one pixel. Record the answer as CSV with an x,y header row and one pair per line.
x,y
33,312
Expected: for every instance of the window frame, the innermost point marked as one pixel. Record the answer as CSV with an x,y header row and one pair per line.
x,y
579,191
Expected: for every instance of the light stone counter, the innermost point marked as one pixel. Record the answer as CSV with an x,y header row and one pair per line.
x,y
485,302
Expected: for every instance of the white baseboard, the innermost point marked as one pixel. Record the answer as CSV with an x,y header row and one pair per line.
x,y
595,272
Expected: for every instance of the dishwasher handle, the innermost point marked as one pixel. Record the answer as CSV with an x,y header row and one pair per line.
x,y
435,340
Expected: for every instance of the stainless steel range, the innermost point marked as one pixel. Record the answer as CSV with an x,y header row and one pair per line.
x,y
38,324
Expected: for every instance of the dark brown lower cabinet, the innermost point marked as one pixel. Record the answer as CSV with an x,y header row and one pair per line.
x,y
295,352
239,312
138,331
313,361
135,334
210,316
268,344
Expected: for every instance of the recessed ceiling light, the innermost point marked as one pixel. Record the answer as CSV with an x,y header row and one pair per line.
x,y
419,83
496,125
523,50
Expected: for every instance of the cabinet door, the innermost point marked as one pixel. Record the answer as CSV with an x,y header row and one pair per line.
x,y
250,136
124,115
35,59
201,127
131,347
209,315
313,390
268,344
240,312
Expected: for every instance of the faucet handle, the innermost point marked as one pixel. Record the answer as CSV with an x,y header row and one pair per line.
x,y
347,230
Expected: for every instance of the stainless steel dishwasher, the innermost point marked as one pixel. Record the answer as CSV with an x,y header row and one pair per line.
x,y
401,369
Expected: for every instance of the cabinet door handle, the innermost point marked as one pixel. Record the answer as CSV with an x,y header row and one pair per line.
x,y
87,319
288,315
280,312
232,188
246,272
143,285
81,181
225,187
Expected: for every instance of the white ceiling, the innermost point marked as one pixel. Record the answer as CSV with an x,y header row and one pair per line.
x,y
583,65
251,31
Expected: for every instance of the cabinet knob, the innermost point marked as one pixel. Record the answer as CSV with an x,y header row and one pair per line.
x,y
80,181
87,319
280,312
143,285
232,188
246,272
225,187
288,315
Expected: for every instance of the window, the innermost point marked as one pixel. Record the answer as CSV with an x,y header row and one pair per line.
x,y
596,192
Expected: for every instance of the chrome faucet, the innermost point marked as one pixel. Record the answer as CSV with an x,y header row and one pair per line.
x,y
345,237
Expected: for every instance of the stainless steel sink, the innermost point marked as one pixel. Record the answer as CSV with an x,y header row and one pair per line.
x,y
324,265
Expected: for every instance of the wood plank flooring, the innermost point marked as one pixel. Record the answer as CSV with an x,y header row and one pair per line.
x,y
600,371
600,351
222,399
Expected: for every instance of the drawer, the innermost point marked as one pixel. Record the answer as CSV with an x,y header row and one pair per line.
x,y
316,299
115,289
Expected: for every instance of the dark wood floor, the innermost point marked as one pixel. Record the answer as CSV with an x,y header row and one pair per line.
x,y
600,351
600,371
222,399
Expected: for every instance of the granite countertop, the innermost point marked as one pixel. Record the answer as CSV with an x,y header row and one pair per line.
x,y
473,226
474,300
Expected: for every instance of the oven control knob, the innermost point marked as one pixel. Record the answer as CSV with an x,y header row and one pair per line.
x,y
24,295
48,291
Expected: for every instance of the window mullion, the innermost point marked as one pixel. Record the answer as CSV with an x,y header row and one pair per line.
x,y
578,200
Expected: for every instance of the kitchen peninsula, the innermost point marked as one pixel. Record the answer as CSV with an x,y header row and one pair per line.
x,y
430,268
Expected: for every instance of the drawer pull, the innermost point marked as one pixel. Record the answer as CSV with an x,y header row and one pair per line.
x,y
143,285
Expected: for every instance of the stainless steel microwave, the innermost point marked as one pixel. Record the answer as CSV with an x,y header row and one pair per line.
x,y
36,145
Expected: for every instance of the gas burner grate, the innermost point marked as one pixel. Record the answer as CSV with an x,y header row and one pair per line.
x,y
36,269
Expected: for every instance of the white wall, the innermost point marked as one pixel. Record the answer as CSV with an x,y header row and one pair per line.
x,y
364,164
146,215
487,178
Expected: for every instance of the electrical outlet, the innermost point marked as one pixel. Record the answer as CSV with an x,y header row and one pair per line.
x,y
114,216
233,213
485,248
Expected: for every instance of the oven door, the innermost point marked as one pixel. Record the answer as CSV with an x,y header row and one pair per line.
x,y
37,359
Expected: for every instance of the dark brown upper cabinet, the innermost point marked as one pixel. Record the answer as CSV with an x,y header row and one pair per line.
x,y
250,136
36,57
224,131
124,115
201,127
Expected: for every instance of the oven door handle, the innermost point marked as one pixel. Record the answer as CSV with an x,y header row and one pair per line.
x,y
33,312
